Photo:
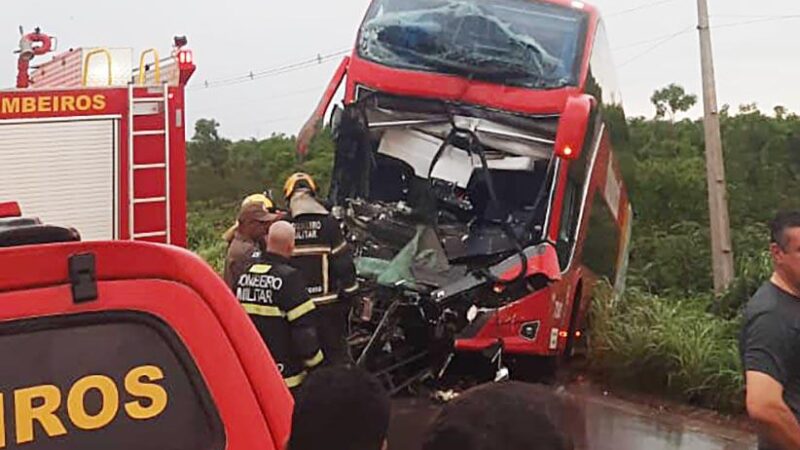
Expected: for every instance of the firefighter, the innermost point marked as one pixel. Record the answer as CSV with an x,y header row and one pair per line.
x,y
275,297
246,237
322,255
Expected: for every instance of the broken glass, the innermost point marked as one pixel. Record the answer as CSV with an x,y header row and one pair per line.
x,y
515,42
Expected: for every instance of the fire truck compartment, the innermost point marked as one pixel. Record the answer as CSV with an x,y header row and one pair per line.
x,y
63,171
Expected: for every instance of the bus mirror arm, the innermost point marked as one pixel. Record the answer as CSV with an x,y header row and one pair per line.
x,y
572,126
311,127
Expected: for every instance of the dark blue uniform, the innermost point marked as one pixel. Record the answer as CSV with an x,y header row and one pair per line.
x,y
274,294
323,256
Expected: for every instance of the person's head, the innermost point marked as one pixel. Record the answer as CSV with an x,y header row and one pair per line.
x,y
494,416
342,408
254,220
785,246
297,182
280,239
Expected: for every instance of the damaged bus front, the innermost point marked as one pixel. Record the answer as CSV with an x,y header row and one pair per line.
x,y
475,178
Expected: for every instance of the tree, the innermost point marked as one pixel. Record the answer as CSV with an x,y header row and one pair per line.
x,y
672,99
207,148
748,108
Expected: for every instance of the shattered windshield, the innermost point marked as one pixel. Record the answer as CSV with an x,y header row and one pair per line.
x,y
516,42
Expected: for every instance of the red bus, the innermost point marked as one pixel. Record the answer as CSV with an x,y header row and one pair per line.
x,y
476,176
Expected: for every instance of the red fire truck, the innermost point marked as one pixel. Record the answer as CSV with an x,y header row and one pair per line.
x,y
92,141
475,170
125,345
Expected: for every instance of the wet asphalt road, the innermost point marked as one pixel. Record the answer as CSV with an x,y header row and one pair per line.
x,y
594,422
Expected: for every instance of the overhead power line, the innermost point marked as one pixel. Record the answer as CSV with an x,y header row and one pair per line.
x,y
650,41
660,41
759,20
648,5
271,72
658,44
751,16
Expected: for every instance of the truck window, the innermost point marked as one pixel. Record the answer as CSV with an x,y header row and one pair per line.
x,y
118,380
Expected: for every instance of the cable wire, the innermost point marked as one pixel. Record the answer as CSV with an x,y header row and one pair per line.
x,y
656,46
665,39
271,72
648,5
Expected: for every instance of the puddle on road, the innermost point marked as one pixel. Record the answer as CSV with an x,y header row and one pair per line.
x,y
593,422
607,428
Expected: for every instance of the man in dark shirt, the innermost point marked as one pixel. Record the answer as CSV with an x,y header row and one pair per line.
x,y
770,342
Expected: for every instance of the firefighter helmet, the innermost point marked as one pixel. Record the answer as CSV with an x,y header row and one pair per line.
x,y
259,198
297,181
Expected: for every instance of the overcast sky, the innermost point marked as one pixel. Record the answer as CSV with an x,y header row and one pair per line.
x,y
756,44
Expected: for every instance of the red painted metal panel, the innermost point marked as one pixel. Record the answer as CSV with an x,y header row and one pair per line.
x,y
26,104
9,209
149,183
506,323
456,89
150,217
177,136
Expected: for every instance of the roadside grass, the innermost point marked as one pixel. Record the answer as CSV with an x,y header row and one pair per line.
x,y
207,222
667,346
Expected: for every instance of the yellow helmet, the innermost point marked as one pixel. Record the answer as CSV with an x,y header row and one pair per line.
x,y
296,181
259,198
230,233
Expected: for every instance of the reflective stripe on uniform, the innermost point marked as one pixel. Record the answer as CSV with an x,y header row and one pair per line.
x,y
325,299
260,268
300,311
263,310
338,249
325,280
315,360
296,380
311,250
352,288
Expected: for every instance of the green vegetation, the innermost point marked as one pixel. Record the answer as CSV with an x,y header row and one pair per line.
x,y
207,221
222,172
670,346
668,334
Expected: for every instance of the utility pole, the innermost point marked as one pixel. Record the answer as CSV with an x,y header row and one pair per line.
x,y
721,247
